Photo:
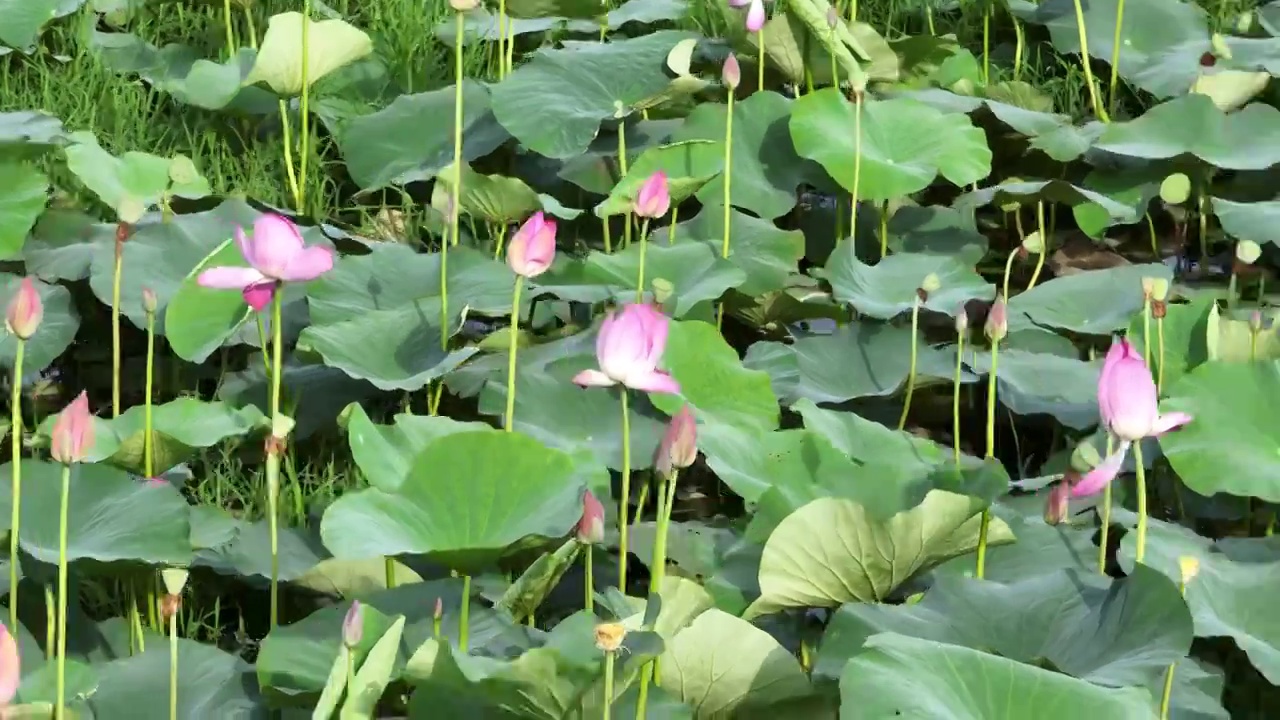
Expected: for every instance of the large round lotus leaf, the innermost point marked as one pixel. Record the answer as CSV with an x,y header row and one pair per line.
x,y
1116,633
1186,338
857,360
1230,339
1039,548
751,463
385,453
1193,125
591,82
468,497
1230,89
1233,593
859,558
57,328
1030,383
696,274
280,62
321,392
178,427
793,51
23,20
1256,221
248,553
355,578
211,683
22,199
726,667
766,170
482,25
133,177
1094,302
688,165
890,287
180,70
936,230
1130,188
110,516
596,170
404,142
905,144
1233,444
765,252
1027,194
492,198
29,134
901,676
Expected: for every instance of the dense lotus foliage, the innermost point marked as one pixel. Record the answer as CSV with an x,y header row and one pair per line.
x,y
640,359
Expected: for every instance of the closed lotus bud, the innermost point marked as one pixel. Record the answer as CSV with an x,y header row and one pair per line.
x,y
353,625
1148,286
10,667
438,612
1248,252
654,198
731,73
1255,321
962,321
591,525
609,636
833,17
997,320
25,310
1058,504
72,432
679,446
1188,567
149,301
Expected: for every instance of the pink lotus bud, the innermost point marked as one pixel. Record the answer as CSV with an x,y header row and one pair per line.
x,y
156,482
591,526
739,3
149,301
73,432
679,446
654,199
533,247
353,625
628,350
438,612
755,16
731,73
1255,321
10,667
962,321
1059,503
1127,398
997,320
25,310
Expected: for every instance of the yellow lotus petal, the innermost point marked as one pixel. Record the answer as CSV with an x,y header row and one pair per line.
x,y
331,44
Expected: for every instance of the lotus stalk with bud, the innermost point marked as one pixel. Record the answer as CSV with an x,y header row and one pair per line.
x,y
996,328
22,320
652,202
70,442
731,76
530,253
929,285
590,532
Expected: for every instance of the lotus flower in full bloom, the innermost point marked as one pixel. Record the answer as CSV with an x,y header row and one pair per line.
x,y
1129,405
276,254
628,349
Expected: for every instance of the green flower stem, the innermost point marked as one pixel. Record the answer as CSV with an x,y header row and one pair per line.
x,y
991,452
622,174
760,58
502,240
644,238
50,621
1146,330
626,494
459,30
1098,110
351,672
273,456
955,398
173,666
675,218
288,155
1203,218
666,499
1160,352
62,594
1115,57
389,570
304,137
508,420
15,517
117,271
608,685
857,159
589,602
135,619
1141,546
727,176
1008,270
1019,48
464,613
911,373
253,31
1044,246
1151,231
986,43
1168,674
226,21
1105,530
884,229
148,442
608,236
502,38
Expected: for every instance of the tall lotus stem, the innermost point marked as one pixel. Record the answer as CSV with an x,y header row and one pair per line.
x,y
626,493
530,254
996,328
731,75
1140,546
304,137
644,236
609,637
1040,248
464,613
986,43
589,602
1104,531
502,38
884,229
148,442
122,234
1098,110
1020,40
226,21
962,328
1148,286
508,420
1188,568
857,163
622,173
275,447
71,439
1115,56
62,592
22,318
172,611
653,200
922,293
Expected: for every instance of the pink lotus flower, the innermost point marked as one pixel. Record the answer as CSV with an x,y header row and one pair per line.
x,y
1058,505
276,254
731,72
10,667
533,247
755,16
997,320
679,446
590,528
25,310
72,432
628,350
654,198
353,625
1129,405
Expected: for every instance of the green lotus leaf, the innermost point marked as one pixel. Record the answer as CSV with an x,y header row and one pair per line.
x,y
385,453
23,198
332,44
1032,383
183,72
765,252
492,198
1186,338
889,288
1027,194
1096,302
687,165
211,683
1193,125
24,19
1256,221
133,177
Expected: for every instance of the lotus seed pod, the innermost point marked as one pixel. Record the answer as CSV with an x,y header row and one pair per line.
x,y
1175,189
1033,243
464,5
1248,252
149,301
931,283
25,311
663,289
353,625
175,579
1159,289
1189,567
609,636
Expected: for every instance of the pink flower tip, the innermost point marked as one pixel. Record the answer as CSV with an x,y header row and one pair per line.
x,y
276,254
533,247
998,320
654,197
731,73
755,16
10,666
629,348
353,625
25,310
679,446
73,432
590,528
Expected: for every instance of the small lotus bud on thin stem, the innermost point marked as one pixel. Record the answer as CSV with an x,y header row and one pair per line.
x,y
353,625
731,73
438,612
1255,321
25,310
962,321
997,320
148,301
